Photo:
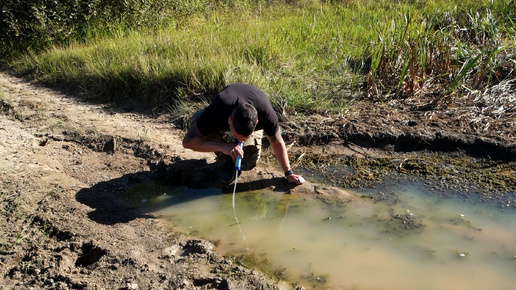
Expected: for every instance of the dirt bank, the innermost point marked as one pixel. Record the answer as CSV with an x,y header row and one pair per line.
x,y
63,165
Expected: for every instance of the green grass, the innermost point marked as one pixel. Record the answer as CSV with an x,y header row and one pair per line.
x,y
309,56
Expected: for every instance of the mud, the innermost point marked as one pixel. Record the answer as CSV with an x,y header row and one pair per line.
x,y
65,166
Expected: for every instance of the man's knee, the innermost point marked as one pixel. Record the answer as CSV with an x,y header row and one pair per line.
x,y
194,118
251,156
252,150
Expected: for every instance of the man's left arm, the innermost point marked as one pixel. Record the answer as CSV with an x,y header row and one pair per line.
x,y
280,151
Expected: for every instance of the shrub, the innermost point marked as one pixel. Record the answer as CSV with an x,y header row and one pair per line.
x,y
38,24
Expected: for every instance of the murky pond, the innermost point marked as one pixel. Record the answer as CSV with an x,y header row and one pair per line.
x,y
410,239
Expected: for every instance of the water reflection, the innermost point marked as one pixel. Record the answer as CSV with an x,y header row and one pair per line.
x,y
411,240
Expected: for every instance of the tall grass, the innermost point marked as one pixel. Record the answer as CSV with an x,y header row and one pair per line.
x,y
444,55
309,56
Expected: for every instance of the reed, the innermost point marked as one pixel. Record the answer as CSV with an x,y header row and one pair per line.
x,y
444,55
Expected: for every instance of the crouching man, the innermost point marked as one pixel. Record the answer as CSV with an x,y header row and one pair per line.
x,y
240,112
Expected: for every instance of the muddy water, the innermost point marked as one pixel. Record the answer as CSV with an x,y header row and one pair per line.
x,y
408,240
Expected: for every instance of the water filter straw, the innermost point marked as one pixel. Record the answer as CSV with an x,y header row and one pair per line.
x,y
238,161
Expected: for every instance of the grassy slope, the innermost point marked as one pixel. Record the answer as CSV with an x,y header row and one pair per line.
x,y
309,56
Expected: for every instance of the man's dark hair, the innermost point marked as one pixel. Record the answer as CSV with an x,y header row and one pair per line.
x,y
244,118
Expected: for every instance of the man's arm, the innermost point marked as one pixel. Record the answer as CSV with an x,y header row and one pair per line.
x,y
280,151
195,141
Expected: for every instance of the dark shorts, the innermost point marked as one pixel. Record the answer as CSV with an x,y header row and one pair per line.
x,y
252,145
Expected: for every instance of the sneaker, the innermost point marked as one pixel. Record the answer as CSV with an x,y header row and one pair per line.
x,y
227,173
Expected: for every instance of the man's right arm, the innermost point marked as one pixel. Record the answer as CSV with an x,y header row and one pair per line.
x,y
195,141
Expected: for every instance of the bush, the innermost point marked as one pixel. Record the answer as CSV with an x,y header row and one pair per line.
x,y
38,24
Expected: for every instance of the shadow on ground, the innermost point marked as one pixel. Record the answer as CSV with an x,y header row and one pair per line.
x,y
116,201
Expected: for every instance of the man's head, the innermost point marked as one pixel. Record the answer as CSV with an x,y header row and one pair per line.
x,y
243,120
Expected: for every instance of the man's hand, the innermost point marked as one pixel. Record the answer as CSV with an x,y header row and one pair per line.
x,y
233,150
297,179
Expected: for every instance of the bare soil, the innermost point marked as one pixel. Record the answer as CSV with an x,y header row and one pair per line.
x,y
64,164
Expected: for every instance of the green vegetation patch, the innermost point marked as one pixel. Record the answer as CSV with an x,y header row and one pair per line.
x,y
309,56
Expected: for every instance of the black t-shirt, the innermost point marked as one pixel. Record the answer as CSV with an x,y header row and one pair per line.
x,y
215,116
